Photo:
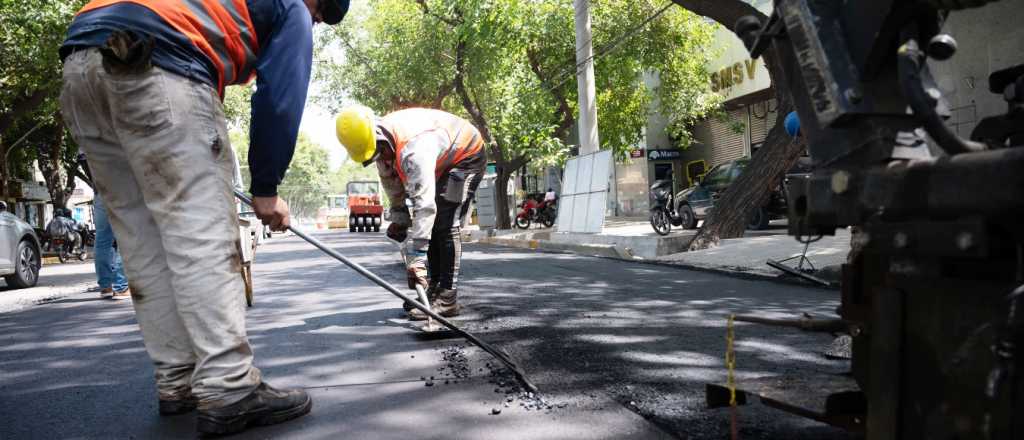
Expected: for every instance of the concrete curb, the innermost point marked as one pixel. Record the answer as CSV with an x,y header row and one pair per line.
x,y
743,274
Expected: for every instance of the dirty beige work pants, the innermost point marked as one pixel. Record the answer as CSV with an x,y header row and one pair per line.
x,y
158,148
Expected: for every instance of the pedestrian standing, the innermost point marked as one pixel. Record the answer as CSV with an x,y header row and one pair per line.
x,y
435,160
109,269
143,85
107,260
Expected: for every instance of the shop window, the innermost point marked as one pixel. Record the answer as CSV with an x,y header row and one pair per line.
x,y
695,170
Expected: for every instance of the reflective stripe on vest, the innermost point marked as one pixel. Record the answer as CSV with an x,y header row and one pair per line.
x,y
220,29
464,139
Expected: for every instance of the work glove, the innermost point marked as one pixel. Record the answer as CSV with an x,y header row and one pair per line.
x,y
416,266
397,232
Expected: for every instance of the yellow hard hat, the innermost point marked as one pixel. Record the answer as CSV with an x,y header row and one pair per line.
x,y
355,128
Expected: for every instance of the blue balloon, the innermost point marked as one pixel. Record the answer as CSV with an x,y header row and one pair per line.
x,y
792,124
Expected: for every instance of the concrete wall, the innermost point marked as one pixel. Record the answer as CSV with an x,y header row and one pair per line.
x,y
990,38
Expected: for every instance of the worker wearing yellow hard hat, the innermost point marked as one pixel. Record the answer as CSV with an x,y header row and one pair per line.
x,y
435,161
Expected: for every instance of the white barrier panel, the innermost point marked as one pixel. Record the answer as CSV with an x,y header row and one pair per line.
x,y
585,193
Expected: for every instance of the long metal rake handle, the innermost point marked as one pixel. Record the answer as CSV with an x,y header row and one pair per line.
x,y
501,356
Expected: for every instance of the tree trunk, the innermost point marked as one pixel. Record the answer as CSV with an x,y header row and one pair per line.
x,y
59,182
506,166
501,203
779,153
750,191
4,173
505,169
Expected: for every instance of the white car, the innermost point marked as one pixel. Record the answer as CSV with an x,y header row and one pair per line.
x,y
19,251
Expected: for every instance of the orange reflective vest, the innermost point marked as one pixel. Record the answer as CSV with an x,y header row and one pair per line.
x,y
220,29
464,139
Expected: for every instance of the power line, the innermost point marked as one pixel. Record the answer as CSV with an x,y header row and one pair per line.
x,y
608,48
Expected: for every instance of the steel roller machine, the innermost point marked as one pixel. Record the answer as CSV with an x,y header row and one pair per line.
x,y
365,211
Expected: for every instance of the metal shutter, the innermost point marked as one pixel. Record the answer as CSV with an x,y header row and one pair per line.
x,y
762,118
726,144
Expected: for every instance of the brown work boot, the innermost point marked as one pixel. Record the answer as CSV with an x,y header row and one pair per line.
x,y
265,406
446,303
124,294
431,297
443,303
106,293
181,405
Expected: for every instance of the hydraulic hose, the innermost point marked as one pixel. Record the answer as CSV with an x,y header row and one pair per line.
x,y
910,60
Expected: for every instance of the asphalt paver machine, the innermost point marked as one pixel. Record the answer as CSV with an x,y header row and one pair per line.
x,y
933,294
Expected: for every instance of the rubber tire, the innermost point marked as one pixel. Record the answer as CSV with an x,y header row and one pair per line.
x,y
83,256
522,222
17,280
62,256
548,221
351,224
759,221
660,222
688,217
376,228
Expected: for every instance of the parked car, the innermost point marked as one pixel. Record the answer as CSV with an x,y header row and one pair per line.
x,y
697,201
20,256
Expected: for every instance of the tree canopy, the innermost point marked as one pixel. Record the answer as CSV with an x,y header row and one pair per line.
x,y
306,184
30,82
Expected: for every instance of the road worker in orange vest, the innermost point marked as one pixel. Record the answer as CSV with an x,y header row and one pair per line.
x,y
435,160
143,85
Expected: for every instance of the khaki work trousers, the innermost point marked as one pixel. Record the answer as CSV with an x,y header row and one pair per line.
x,y
158,148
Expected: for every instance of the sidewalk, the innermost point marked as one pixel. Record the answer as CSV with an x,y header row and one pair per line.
x,y
55,282
748,255
632,238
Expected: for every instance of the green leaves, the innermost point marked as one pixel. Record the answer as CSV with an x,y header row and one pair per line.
x,y
519,66
30,82
308,181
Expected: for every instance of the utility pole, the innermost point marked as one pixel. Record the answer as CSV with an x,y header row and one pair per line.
x,y
587,123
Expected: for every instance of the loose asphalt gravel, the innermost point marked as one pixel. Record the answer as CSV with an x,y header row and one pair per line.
x,y
618,350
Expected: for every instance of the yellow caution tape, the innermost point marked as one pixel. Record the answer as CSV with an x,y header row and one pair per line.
x,y
730,362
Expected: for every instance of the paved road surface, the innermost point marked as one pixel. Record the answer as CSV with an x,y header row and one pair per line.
x,y
620,350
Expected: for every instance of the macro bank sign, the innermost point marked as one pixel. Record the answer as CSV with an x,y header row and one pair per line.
x,y
733,72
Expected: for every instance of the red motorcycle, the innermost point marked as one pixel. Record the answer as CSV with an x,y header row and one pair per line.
x,y
532,211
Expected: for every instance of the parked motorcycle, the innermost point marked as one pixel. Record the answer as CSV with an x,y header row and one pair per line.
x,y
532,211
663,209
88,235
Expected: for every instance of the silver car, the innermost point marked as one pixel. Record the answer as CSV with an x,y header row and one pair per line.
x,y
19,251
